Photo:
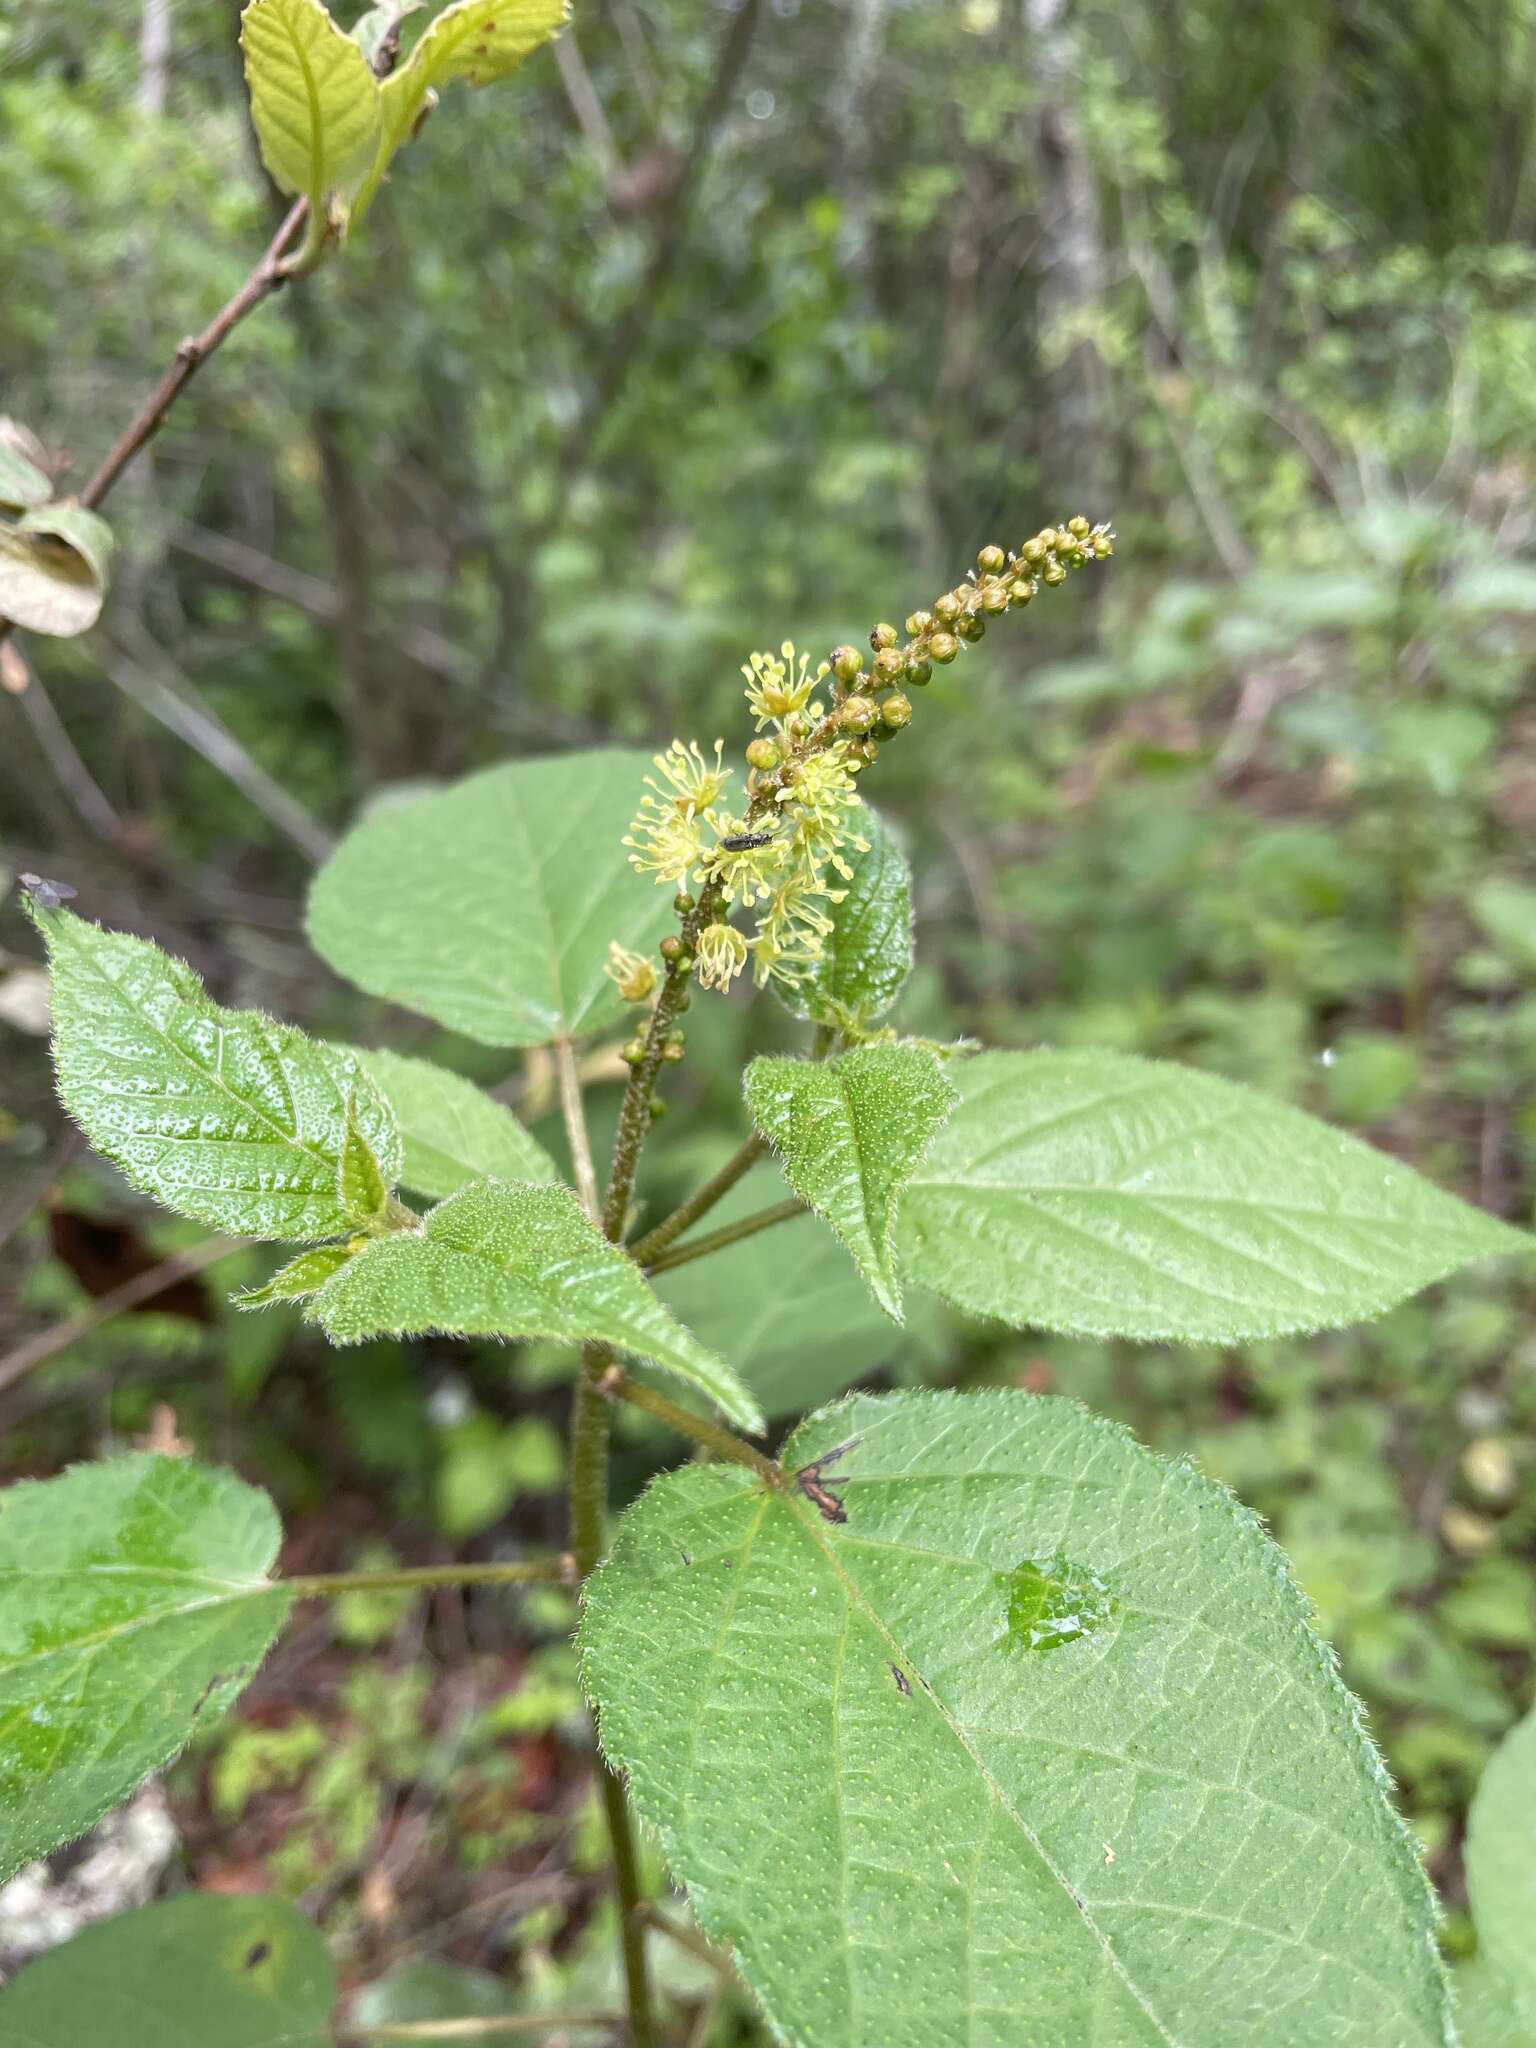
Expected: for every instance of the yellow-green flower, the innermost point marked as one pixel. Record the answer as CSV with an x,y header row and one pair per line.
x,y
631,973
666,843
720,955
778,685
689,783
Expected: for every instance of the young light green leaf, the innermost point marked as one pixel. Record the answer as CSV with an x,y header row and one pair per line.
x,y
868,957
849,1132
134,1605
1112,1196
788,1309
54,567
480,40
1501,1862
315,103
222,1115
517,1259
219,1969
453,1132
991,1726
300,1278
490,905
362,1192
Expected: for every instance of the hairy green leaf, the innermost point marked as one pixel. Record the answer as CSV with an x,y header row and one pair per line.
x,y
1501,1862
300,1278
134,1605
490,905
54,567
868,957
481,40
217,1970
223,1115
453,1132
1112,1196
315,103
789,1311
516,1259
849,1132
991,1727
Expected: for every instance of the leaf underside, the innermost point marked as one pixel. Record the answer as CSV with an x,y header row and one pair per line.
x,y
1165,1826
315,104
134,1605
1111,1196
490,905
868,956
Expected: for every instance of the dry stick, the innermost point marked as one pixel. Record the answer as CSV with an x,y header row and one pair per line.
x,y
77,781
571,1108
700,1203
728,1234
142,1287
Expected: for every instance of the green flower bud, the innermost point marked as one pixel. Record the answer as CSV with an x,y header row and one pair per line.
x,y
847,662
994,599
671,948
682,903
889,665
857,714
947,608
763,753
1103,547
1053,573
1033,551
919,668
1078,527
896,711
634,1052
971,626
943,646
672,1051
918,624
656,1109
991,559
1020,591
882,636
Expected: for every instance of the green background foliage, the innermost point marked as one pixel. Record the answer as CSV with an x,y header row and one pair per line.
x,y
589,408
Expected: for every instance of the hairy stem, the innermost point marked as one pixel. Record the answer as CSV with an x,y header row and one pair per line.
x,y
521,1571
588,1499
576,1136
710,1436
700,1203
728,1234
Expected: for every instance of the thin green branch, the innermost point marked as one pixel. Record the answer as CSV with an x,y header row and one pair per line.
x,y
575,1115
487,2029
520,1571
710,1436
701,1202
728,1234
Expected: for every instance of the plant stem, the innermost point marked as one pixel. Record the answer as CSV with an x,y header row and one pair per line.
x,y
588,1498
727,1234
522,1571
484,2029
701,1202
618,1386
635,1112
576,1135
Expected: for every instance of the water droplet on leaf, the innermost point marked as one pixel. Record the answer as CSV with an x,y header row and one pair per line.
x,y
1052,1602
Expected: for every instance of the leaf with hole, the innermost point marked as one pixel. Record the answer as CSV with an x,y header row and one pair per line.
x,y
990,1726
315,104
220,1970
452,1131
849,1133
135,1604
1109,1196
490,905
223,1115
866,960
515,1259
